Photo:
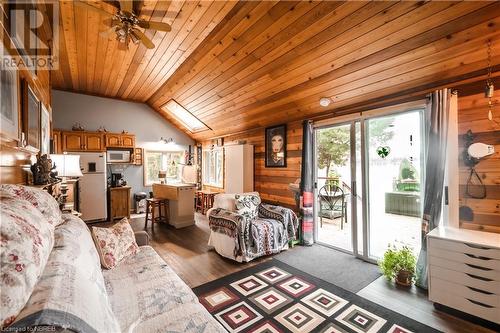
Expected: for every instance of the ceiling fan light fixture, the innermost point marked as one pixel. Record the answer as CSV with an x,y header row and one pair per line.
x,y
324,101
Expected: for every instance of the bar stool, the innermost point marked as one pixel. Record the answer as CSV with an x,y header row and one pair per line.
x,y
163,211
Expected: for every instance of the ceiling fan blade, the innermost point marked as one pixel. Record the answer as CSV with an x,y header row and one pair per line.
x,y
126,6
108,32
110,21
90,7
160,26
144,39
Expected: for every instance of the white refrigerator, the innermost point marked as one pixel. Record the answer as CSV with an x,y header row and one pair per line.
x,y
93,186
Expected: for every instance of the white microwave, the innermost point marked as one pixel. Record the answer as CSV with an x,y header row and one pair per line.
x,y
118,156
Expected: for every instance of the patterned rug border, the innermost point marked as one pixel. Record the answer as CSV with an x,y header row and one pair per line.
x,y
391,316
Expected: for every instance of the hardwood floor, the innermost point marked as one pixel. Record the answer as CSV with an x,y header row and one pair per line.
x,y
186,251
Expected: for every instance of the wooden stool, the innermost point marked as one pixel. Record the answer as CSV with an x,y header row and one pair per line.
x,y
163,211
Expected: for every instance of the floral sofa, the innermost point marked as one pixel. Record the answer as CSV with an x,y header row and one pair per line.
x,y
243,228
51,277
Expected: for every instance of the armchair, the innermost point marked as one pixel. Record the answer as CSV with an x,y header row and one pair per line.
x,y
243,228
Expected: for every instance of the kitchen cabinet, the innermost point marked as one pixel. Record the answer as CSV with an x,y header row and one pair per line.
x,y
119,202
128,140
120,140
93,141
72,141
82,141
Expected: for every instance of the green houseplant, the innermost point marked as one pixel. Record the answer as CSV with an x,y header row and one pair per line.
x,y
399,264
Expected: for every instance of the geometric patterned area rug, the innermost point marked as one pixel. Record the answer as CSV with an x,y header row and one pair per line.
x,y
273,297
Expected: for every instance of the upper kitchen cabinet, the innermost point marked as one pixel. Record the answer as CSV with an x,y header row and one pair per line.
x,y
82,141
121,140
72,141
94,141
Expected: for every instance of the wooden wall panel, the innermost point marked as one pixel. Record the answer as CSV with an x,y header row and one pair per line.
x,y
472,114
15,160
272,183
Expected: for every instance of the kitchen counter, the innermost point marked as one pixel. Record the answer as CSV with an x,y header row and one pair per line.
x,y
181,202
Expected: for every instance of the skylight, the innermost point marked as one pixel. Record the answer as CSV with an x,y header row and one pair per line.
x,y
185,117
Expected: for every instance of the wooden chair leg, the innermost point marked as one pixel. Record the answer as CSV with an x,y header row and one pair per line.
x,y
147,216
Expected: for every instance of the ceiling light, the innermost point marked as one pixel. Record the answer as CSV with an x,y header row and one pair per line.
x,y
324,101
185,117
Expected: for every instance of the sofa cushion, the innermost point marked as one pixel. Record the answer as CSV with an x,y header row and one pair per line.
x,y
227,200
147,296
115,243
39,198
247,205
26,241
71,291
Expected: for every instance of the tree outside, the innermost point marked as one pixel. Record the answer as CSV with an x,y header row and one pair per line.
x,y
334,143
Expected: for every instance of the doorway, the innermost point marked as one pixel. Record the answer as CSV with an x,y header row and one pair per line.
x,y
368,179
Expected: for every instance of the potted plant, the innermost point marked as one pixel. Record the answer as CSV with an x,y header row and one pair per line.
x,y
399,264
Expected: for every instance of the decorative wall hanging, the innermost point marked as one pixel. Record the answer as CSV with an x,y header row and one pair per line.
x,y
31,115
276,146
9,108
383,151
489,89
44,130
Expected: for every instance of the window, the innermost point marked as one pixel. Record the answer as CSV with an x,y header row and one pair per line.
x,y
156,161
213,167
185,117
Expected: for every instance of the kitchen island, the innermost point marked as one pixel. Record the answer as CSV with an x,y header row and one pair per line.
x,y
181,202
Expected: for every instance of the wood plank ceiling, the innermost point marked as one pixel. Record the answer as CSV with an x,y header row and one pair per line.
x,y
244,65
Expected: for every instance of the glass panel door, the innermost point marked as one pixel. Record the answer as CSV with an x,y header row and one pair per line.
x,y
333,186
394,178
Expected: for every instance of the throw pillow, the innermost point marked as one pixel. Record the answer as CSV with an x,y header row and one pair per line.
x,y
115,243
27,239
247,205
39,198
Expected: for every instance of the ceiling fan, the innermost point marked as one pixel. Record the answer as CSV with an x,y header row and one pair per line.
x,y
125,24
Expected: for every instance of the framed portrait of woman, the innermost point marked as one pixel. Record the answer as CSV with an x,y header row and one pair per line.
x,y
276,146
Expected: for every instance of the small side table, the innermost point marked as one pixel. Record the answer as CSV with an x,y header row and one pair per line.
x,y
206,200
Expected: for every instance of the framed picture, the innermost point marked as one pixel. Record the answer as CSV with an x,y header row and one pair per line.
x,y
31,116
44,130
276,146
9,108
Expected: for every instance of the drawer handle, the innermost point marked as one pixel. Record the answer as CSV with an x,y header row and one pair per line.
x,y
479,277
480,291
480,304
479,267
477,247
477,257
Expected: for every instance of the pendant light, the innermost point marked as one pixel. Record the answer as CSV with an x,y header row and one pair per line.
x,y
489,89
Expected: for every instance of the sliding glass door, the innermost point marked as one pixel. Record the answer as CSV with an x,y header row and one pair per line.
x,y
394,179
368,177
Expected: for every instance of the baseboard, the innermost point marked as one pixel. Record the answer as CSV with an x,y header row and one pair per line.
x,y
463,315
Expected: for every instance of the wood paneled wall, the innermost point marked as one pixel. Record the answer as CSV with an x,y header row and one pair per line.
x,y
472,114
14,160
272,183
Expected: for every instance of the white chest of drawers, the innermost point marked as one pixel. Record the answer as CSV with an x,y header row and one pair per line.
x,y
464,271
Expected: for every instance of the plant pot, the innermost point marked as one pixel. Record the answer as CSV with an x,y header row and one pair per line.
x,y
404,278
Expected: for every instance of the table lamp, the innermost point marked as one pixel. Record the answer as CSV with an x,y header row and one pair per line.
x,y
67,165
